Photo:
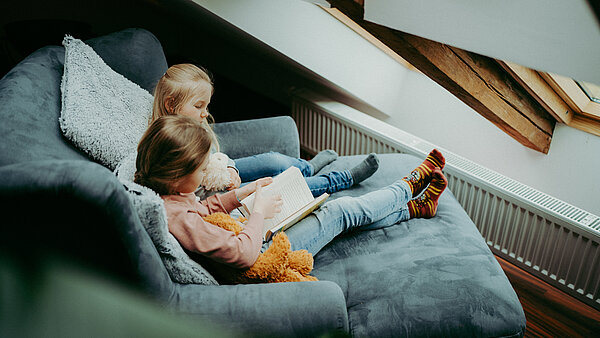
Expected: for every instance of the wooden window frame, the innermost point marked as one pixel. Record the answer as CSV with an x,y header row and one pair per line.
x,y
561,96
586,113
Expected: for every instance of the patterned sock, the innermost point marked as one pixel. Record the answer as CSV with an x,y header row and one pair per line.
x,y
421,175
365,169
322,159
426,205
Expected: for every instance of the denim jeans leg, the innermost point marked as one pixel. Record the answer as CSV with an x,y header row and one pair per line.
x,y
383,207
398,216
269,164
331,182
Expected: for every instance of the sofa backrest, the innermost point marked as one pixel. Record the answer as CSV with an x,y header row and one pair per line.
x,y
30,93
29,110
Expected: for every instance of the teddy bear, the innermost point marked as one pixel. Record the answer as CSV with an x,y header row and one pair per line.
x,y
277,264
215,176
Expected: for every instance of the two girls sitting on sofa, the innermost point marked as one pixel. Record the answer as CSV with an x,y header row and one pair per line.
x,y
175,149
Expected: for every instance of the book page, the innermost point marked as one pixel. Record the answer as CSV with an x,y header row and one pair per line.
x,y
294,192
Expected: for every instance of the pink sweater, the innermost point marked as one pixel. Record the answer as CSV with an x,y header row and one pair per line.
x,y
184,213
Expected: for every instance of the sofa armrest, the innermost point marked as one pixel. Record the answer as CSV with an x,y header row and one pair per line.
x,y
79,211
307,309
245,138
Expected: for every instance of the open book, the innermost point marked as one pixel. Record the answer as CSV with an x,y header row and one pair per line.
x,y
298,201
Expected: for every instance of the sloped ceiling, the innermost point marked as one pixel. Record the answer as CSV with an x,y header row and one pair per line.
x,y
556,36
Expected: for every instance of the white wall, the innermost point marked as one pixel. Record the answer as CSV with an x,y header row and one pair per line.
x,y
310,36
567,172
414,103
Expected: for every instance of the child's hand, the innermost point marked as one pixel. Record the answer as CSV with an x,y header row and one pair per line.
x,y
262,182
267,204
236,181
249,188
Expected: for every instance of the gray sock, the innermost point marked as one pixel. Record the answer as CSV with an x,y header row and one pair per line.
x,y
365,169
322,159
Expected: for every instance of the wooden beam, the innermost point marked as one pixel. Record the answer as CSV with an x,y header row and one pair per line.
x,y
477,80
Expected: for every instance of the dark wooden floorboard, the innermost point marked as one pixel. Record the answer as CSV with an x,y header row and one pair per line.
x,y
551,312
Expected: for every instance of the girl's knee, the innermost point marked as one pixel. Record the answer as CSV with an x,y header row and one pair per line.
x,y
350,208
342,205
338,204
277,162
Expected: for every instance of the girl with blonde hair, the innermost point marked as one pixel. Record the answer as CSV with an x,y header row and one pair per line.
x,y
186,89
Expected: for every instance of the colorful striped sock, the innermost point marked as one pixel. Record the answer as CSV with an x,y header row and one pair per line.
x,y
421,175
426,205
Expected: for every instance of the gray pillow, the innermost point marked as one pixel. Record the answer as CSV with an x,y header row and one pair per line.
x,y
151,211
103,113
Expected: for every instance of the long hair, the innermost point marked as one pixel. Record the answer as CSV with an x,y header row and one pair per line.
x,y
173,147
181,83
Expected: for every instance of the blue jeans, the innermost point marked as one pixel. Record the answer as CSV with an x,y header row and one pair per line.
x,y
374,210
271,164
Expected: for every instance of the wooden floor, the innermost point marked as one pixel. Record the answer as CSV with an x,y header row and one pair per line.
x,y
551,312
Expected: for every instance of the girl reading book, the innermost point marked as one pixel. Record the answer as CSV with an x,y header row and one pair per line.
x,y
175,149
186,89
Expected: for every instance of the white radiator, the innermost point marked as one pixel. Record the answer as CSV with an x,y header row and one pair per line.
x,y
547,237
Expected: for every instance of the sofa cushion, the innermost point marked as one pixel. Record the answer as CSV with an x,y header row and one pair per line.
x,y
30,97
103,113
151,211
125,170
421,277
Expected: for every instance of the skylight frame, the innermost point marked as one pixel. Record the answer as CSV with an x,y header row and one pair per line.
x,y
574,95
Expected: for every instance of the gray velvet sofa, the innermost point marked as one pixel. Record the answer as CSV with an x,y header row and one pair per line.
x,y
423,277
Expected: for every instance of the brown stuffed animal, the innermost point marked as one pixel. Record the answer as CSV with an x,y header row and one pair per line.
x,y
277,264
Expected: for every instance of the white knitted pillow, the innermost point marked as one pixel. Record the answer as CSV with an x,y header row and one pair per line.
x,y
151,211
103,113
125,170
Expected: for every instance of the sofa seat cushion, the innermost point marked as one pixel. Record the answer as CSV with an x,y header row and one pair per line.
x,y
422,277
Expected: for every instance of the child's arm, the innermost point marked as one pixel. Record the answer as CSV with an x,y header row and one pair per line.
x,y
230,200
196,235
249,188
222,202
236,181
223,246
234,173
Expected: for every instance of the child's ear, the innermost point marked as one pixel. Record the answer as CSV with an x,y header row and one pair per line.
x,y
169,103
